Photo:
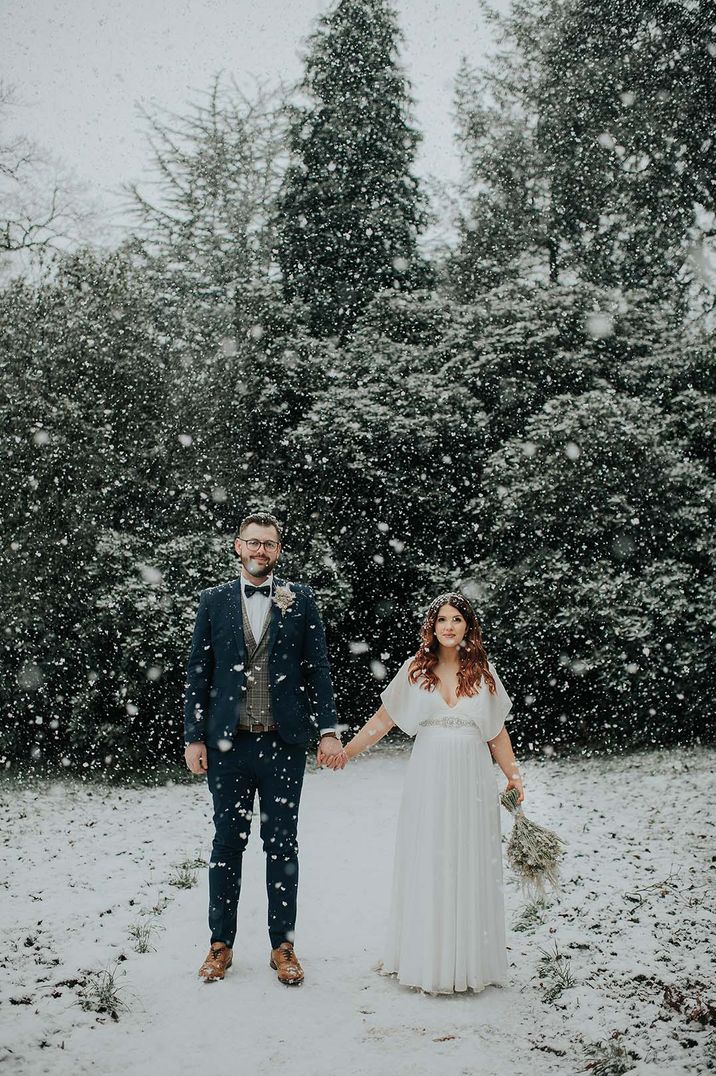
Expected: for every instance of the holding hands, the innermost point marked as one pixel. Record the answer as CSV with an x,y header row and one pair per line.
x,y
331,753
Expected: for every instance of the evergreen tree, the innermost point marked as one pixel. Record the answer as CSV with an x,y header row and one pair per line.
x,y
508,229
87,452
598,573
631,91
586,154
350,210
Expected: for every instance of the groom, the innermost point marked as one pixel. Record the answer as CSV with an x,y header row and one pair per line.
x,y
257,679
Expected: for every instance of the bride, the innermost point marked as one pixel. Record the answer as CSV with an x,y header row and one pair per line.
x,y
446,927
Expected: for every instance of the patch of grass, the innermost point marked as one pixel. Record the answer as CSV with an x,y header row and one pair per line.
x,y
554,971
710,1051
156,909
141,933
194,864
608,1058
531,915
182,878
101,994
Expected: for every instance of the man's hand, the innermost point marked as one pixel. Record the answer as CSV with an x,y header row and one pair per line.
x,y
196,758
337,762
330,753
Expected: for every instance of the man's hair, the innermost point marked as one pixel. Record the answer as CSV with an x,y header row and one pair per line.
x,y
262,519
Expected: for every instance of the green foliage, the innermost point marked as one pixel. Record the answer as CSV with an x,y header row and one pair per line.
x,y
84,449
554,971
588,145
350,210
105,542
609,1058
547,445
101,993
597,574
384,460
628,126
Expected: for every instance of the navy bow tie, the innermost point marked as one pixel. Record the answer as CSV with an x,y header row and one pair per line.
x,y
250,591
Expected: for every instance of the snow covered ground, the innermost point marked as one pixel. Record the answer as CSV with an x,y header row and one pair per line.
x,y
83,865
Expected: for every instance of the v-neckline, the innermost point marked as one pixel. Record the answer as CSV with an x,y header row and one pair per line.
x,y
447,703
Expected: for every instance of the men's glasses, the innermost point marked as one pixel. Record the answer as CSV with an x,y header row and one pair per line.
x,y
253,545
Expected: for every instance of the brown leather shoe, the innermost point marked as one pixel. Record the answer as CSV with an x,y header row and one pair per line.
x,y
285,963
219,959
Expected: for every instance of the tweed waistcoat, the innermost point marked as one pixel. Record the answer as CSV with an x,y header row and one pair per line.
x,y
256,702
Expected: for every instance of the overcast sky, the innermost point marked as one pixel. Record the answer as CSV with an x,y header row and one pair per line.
x,y
80,67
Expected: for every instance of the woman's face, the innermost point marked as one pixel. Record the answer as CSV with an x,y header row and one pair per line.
x,y
450,626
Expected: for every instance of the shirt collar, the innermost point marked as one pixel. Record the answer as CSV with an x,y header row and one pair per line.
x,y
247,582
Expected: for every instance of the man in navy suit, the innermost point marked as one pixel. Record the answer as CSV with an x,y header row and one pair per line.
x,y
258,685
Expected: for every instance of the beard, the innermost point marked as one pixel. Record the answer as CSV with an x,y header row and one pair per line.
x,y
258,571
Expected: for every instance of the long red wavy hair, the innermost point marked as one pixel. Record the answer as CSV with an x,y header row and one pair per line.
x,y
473,656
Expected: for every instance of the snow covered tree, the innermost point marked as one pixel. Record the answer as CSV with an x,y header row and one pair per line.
x,y
629,130
203,221
587,154
597,575
350,210
243,402
380,466
216,172
521,344
85,451
510,227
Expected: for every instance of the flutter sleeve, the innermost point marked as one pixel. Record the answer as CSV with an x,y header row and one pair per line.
x,y
401,700
495,708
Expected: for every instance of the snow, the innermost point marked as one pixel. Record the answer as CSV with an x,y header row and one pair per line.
x,y
83,862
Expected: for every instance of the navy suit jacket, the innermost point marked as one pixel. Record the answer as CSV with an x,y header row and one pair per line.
x,y
300,678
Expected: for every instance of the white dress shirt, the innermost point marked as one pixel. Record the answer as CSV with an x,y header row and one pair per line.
x,y
258,606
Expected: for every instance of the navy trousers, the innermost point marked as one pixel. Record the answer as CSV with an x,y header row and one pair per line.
x,y
260,763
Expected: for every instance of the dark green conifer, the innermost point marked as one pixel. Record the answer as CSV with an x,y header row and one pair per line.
x,y
350,210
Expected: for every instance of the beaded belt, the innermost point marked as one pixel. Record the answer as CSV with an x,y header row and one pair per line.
x,y
447,722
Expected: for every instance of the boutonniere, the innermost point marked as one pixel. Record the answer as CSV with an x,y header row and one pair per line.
x,y
284,598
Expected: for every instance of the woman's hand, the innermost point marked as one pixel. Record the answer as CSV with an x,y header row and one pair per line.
x,y
328,749
337,762
331,754
515,781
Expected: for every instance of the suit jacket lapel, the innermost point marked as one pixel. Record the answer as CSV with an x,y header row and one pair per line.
x,y
237,620
275,625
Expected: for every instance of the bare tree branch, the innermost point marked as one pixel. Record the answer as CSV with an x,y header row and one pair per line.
x,y
216,172
41,205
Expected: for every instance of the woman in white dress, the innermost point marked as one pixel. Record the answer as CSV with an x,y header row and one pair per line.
x,y
446,926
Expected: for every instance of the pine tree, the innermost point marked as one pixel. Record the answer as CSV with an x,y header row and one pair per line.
x,y
350,210
588,149
512,228
631,92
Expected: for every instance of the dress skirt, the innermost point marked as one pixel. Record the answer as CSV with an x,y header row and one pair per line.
x,y
446,925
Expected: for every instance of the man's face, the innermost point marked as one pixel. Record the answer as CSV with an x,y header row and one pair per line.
x,y
258,562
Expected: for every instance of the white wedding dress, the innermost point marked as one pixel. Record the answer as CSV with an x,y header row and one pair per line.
x,y
446,926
